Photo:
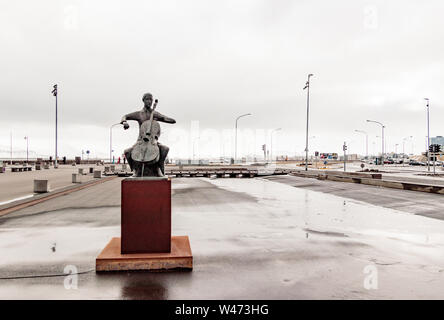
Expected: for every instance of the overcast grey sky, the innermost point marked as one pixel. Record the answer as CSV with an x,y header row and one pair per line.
x,y
209,61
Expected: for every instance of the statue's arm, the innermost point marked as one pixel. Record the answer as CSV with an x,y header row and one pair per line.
x,y
130,116
160,117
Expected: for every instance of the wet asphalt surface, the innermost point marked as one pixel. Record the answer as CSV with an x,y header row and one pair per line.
x,y
19,184
421,203
251,239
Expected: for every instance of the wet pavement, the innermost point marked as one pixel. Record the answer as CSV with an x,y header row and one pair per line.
x,y
251,239
420,203
14,185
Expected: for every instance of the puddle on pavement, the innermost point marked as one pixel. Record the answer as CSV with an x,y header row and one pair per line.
x,y
329,214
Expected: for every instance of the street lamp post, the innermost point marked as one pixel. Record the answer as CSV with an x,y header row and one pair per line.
x,y
428,132
55,94
11,148
366,141
111,142
316,159
382,126
235,140
271,145
27,149
307,86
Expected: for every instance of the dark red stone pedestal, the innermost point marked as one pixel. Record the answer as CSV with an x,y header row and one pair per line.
x,y
146,242
146,215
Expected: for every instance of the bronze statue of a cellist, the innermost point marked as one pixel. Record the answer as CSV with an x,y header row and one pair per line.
x,y
147,156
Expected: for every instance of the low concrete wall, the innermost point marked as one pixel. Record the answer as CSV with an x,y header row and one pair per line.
x,y
423,187
382,183
368,180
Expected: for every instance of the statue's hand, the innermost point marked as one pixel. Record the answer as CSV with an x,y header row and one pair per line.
x,y
125,125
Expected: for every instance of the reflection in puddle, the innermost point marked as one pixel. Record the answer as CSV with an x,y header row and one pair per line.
x,y
140,291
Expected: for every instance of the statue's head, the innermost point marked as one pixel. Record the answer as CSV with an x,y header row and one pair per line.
x,y
147,100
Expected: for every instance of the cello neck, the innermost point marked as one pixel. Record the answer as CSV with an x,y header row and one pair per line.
x,y
152,117
154,108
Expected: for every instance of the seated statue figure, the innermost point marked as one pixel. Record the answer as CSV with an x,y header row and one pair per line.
x,y
140,168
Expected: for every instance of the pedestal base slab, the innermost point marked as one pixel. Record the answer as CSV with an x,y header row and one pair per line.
x,y
180,257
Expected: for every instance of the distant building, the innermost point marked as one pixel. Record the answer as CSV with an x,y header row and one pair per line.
x,y
437,140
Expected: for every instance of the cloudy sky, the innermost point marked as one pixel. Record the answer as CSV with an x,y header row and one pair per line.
x,y
209,61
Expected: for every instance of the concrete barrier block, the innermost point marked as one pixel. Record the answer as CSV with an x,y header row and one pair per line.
x,y
107,169
97,174
391,184
339,178
41,186
38,167
113,168
76,178
81,171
